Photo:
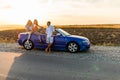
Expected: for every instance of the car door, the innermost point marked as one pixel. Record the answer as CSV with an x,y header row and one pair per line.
x,y
59,42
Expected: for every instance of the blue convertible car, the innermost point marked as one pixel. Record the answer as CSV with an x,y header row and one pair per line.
x,y
62,41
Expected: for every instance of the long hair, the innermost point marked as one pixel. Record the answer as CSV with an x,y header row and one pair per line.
x,y
36,22
29,23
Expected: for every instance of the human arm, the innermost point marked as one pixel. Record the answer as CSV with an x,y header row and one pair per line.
x,y
26,28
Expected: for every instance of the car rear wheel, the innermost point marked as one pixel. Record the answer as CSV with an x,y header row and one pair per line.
x,y
28,45
73,47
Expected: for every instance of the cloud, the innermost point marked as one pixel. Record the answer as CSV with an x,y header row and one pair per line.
x,y
96,3
6,7
66,10
88,7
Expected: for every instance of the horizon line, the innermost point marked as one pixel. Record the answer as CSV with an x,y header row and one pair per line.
x,y
62,24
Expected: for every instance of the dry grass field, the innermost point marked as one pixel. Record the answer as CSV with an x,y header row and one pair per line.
x,y
90,26
11,27
98,34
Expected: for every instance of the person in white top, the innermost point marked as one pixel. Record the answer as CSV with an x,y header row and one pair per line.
x,y
49,36
29,28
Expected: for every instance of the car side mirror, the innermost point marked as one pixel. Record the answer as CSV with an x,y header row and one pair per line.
x,y
58,34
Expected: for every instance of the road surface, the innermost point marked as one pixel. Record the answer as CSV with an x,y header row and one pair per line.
x,y
99,63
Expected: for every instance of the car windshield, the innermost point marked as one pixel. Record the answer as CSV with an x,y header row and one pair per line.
x,y
61,31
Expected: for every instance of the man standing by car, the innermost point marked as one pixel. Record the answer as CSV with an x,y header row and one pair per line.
x,y
49,36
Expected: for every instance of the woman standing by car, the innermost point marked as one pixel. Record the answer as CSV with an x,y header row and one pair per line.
x,y
29,28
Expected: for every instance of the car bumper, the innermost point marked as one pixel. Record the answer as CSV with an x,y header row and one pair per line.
x,y
84,47
20,42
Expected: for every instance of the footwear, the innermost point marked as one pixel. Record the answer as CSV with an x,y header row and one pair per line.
x,y
27,41
41,42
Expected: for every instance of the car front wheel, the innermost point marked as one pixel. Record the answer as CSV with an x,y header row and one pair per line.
x,y
28,45
73,47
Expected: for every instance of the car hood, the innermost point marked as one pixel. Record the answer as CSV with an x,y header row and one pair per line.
x,y
78,37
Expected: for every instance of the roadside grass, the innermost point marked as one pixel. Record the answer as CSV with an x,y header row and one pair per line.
x,y
106,44
5,40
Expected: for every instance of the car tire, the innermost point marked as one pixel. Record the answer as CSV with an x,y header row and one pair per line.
x,y
28,45
73,47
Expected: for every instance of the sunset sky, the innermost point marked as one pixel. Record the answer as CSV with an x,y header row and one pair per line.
x,y
60,12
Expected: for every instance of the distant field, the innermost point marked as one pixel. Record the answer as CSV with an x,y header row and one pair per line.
x,y
10,27
90,26
14,27
97,34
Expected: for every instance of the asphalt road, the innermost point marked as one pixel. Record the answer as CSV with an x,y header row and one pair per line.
x,y
99,63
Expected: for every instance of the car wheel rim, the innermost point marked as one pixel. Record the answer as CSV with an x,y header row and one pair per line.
x,y
28,45
73,47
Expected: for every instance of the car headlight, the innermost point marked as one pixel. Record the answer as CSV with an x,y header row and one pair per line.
x,y
85,42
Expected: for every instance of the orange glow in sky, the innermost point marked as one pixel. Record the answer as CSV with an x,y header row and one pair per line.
x,y
60,11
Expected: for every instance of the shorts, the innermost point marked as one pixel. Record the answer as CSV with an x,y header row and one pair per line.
x,y
49,40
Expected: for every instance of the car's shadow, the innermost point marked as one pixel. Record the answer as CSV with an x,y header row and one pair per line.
x,y
25,65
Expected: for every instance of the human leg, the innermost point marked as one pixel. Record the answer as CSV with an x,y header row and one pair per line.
x,y
50,43
48,49
38,34
29,35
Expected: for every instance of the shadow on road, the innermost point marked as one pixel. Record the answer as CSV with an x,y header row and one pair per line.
x,y
37,65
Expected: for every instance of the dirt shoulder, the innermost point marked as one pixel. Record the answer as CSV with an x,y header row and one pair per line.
x,y
97,36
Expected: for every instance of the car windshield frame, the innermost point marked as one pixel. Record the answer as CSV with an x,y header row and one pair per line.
x,y
64,33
